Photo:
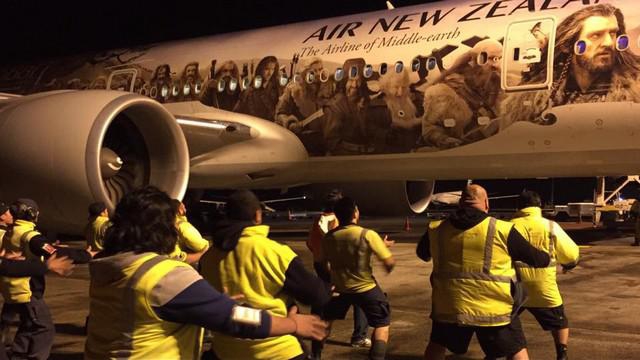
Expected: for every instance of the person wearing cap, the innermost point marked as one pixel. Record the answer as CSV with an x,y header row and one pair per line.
x,y
145,305
25,295
346,254
270,276
474,280
544,300
190,245
97,226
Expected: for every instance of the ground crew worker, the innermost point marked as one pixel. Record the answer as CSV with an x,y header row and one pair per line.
x,y
190,245
24,295
321,226
97,226
243,260
346,253
544,300
472,280
144,305
635,212
11,267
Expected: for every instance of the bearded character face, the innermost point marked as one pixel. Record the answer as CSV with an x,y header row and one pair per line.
x,y
268,71
191,73
352,86
599,33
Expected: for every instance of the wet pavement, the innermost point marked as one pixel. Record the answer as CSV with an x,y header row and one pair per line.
x,y
602,299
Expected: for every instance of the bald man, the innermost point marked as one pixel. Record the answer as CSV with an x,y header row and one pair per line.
x,y
474,281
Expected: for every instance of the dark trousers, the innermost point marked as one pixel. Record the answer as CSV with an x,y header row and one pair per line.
x,y
34,337
360,323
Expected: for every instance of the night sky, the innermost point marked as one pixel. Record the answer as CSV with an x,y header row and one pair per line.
x,y
36,30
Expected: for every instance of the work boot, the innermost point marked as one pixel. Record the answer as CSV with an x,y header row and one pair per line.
x,y
561,351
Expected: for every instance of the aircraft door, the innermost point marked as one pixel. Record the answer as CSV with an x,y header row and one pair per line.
x,y
528,54
122,80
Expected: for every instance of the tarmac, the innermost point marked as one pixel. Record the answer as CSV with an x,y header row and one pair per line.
x,y
601,296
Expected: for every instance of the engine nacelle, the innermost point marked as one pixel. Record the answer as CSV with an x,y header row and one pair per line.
x,y
384,198
66,149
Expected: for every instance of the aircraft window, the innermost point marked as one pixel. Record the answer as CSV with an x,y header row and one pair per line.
x,y
483,57
245,83
324,75
415,64
144,90
484,120
186,89
368,71
122,80
383,68
221,85
153,92
622,43
283,80
257,82
353,72
233,84
175,90
339,74
432,63
528,55
399,67
311,77
198,87
449,123
164,92
580,47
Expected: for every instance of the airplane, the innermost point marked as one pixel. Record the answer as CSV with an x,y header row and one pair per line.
x,y
385,103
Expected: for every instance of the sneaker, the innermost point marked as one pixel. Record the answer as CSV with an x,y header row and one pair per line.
x,y
361,343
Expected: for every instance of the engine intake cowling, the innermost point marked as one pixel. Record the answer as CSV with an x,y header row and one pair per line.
x,y
67,149
384,198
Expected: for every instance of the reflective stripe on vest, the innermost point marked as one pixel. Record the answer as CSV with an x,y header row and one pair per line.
x,y
472,274
130,298
486,266
550,250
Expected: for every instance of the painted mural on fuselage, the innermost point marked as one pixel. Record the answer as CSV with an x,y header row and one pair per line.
x,y
468,70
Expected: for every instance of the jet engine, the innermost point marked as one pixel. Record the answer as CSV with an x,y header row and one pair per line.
x,y
383,198
66,149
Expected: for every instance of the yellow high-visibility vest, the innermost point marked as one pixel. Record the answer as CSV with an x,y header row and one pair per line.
x,y
546,235
18,290
472,273
122,323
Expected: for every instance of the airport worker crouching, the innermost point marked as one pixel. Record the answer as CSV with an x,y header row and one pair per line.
x,y
270,276
24,296
190,245
544,300
145,305
474,280
346,252
97,226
